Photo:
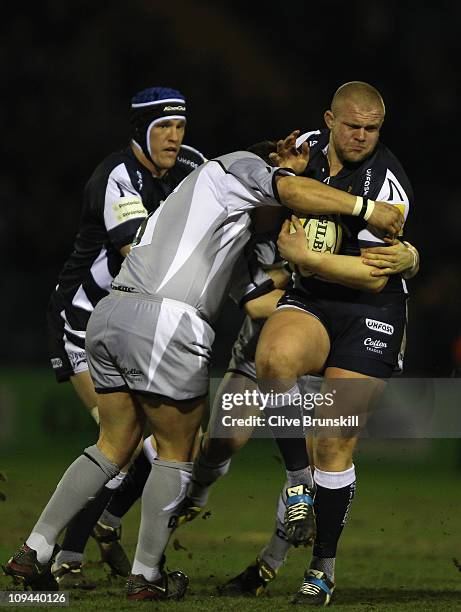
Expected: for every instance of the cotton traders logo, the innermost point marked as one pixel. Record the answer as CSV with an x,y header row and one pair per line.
x,y
379,326
366,186
56,363
374,345
132,373
174,108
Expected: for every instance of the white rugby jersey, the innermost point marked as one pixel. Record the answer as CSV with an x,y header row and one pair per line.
x,y
190,249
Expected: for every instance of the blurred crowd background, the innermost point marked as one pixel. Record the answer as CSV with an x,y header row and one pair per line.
x,y
249,70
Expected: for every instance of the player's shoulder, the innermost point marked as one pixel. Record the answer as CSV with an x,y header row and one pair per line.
x,y
385,166
119,166
385,158
227,160
317,140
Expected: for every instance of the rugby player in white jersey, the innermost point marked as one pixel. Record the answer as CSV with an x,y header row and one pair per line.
x,y
149,345
124,188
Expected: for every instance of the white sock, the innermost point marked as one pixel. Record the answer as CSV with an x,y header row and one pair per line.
x,y
38,543
335,480
149,573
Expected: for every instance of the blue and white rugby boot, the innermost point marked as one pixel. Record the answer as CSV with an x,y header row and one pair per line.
x,y
299,520
316,589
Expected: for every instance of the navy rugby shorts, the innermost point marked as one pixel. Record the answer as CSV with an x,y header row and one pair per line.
x,y
366,333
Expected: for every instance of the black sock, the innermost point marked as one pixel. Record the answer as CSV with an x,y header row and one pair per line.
x,y
132,486
292,448
294,453
331,509
81,526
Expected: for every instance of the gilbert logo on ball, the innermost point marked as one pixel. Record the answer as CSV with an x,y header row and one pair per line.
x,y
323,233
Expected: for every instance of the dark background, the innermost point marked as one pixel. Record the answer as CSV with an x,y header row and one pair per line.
x,y
249,72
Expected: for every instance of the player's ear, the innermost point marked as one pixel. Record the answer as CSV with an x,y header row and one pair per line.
x,y
329,119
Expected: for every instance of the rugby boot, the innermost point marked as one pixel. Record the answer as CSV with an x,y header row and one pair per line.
x,y
112,553
71,576
251,582
186,512
299,521
24,568
316,589
170,585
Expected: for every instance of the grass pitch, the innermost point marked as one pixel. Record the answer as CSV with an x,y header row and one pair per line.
x,y
396,552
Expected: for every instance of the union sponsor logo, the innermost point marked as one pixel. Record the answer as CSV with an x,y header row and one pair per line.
x,y
380,326
366,186
188,162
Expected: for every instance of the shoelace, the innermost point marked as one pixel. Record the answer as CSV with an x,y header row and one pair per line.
x,y
74,569
307,588
298,512
20,554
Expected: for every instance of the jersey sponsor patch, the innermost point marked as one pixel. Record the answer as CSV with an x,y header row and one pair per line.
x,y
128,207
380,326
132,373
56,363
374,345
76,358
188,162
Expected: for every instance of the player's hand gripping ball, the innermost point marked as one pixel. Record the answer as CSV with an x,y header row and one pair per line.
x,y
323,233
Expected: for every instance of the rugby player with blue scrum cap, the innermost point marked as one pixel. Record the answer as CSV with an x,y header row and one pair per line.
x,y
124,188
149,347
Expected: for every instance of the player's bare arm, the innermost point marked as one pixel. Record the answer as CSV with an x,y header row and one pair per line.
x,y
309,196
280,277
398,257
263,306
345,270
288,156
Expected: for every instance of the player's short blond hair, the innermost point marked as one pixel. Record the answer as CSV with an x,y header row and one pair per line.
x,y
358,92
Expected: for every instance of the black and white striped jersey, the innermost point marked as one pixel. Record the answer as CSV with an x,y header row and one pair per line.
x,y
379,177
118,196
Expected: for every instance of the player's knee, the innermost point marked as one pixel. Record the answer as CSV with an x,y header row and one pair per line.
x,y
116,452
332,454
222,449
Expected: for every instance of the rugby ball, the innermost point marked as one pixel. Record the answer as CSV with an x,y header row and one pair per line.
x,y
323,233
